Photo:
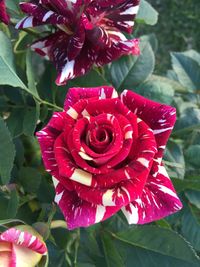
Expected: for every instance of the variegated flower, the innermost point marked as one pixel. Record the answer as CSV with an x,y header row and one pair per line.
x,y
21,247
84,33
105,154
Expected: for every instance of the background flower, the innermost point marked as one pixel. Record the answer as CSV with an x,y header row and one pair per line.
x,y
105,154
4,17
87,33
21,246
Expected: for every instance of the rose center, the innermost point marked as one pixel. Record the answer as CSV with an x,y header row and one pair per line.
x,y
101,135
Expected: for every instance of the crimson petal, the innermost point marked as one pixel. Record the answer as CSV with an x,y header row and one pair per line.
x,y
160,117
101,92
78,212
158,200
3,14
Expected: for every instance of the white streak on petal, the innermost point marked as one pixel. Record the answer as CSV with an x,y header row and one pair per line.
x,y
125,190
82,177
163,171
161,130
72,113
130,11
21,238
58,197
47,15
129,135
107,199
114,94
55,181
100,212
144,162
127,175
68,71
132,217
103,94
162,147
32,240
84,156
165,190
85,113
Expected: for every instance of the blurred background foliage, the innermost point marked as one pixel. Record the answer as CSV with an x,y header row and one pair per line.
x,y
168,70
177,28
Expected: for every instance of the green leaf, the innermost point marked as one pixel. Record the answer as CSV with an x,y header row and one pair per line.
x,y
112,255
30,120
174,154
174,84
13,5
193,54
147,14
8,221
161,241
191,227
194,197
153,41
181,185
7,153
193,155
188,120
13,204
30,179
130,71
8,73
187,71
30,74
15,121
156,90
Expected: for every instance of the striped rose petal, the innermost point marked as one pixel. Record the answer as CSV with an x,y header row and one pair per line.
x,y
4,17
105,154
85,33
21,248
158,200
101,92
23,239
80,213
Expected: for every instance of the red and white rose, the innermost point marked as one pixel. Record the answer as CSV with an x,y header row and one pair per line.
x,y
105,154
86,32
21,246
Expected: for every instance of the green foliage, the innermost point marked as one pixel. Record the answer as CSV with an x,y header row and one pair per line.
x,y
7,153
29,96
147,14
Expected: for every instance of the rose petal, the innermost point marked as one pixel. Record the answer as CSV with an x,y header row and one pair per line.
x,y
117,50
80,213
56,48
101,92
5,259
23,239
3,14
46,138
25,257
160,117
158,200
120,12
43,14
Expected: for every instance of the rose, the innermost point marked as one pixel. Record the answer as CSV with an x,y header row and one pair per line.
x,y
4,17
85,32
105,154
21,246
